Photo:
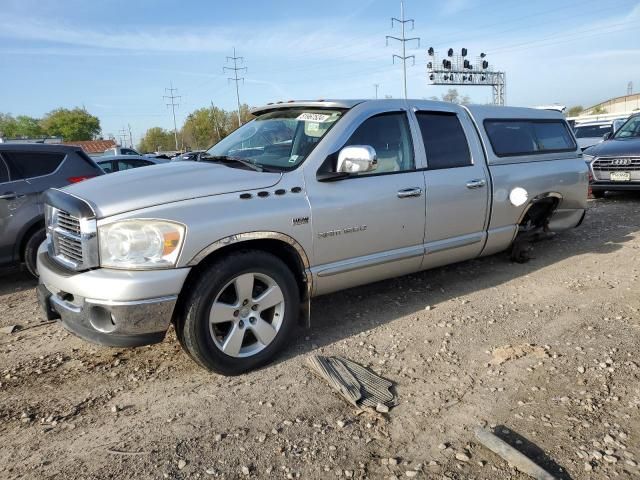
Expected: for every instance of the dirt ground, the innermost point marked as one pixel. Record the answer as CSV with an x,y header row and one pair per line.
x,y
567,392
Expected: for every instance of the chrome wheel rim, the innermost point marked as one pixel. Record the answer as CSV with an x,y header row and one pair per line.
x,y
246,315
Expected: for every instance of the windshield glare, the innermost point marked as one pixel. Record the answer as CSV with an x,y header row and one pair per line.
x,y
281,139
587,131
629,129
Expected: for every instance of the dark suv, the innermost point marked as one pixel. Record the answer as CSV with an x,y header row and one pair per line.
x,y
27,170
615,163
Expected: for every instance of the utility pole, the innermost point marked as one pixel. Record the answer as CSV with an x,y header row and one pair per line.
x,y
123,137
235,69
403,41
172,103
130,136
215,121
376,85
629,88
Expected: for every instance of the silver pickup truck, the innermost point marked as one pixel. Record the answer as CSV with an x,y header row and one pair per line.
x,y
307,199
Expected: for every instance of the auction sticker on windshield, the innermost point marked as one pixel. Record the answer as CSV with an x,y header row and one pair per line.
x,y
313,117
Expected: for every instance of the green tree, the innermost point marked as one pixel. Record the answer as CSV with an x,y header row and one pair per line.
x,y
575,111
157,139
204,127
71,125
8,125
28,127
598,110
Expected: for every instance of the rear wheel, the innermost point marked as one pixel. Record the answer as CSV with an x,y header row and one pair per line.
x,y
31,251
240,312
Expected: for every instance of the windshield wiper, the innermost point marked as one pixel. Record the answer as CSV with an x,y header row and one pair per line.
x,y
227,159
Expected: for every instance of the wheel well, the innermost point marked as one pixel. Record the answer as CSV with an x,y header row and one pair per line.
x,y
539,212
278,248
27,235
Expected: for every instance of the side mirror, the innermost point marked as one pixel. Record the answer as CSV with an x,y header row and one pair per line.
x,y
607,136
357,159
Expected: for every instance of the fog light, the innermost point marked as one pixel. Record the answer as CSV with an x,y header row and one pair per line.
x,y
101,319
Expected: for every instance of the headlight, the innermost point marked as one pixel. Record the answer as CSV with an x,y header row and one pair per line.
x,y
140,244
588,158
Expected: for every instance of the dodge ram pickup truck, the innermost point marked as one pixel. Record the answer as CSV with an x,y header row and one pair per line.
x,y
310,197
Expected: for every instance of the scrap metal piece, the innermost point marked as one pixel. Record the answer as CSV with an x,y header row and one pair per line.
x,y
511,455
357,384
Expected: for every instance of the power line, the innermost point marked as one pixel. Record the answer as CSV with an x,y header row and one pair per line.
x,y
403,41
172,103
235,69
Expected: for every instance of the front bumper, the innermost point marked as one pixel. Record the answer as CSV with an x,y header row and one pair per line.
x,y
599,186
110,307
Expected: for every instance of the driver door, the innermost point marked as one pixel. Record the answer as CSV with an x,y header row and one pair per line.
x,y
371,226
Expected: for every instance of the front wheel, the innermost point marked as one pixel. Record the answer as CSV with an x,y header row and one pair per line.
x,y
31,251
240,312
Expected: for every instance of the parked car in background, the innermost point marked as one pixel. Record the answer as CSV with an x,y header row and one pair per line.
x,y
27,170
615,163
121,151
591,133
193,156
126,162
307,199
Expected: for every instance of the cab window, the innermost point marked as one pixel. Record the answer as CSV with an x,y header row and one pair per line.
x,y
390,136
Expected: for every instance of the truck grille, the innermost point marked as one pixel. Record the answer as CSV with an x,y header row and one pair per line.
x,y
71,241
602,167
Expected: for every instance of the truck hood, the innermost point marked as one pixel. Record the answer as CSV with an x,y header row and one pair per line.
x,y
170,182
627,147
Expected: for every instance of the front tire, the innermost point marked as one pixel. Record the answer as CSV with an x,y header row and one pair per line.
x,y
31,251
240,312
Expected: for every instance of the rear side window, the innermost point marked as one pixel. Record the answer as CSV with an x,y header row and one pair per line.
x,y
528,137
35,164
4,172
444,140
127,164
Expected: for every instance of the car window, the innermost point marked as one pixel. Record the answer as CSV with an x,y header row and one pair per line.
x,y
527,137
630,129
444,140
128,164
106,166
4,172
591,131
34,164
390,136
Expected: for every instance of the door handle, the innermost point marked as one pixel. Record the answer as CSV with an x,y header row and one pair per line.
x,y
477,183
410,192
9,196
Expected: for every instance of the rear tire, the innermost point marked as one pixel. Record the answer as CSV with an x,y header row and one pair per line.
x,y
240,312
31,251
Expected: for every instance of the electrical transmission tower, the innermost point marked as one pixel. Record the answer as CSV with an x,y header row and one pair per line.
x,y
123,137
235,69
629,88
403,41
376,85
172,103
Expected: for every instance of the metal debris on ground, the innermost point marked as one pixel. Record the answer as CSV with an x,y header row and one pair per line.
x,y
357,384
9,329
511,455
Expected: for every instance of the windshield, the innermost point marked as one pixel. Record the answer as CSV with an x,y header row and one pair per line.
x,y
588,131
281,139
629,129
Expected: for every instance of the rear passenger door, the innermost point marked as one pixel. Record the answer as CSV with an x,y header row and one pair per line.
x,y
20,199
457,187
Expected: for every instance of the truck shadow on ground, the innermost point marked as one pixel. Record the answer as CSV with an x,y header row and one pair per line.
x,y
15,279
341,315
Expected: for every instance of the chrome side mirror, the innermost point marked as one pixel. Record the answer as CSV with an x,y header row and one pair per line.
x,y
357,159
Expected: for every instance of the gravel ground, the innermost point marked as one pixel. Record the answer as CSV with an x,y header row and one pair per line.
x,y
546,353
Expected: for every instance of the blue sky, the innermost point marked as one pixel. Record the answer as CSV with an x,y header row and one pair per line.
x,y
116,57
